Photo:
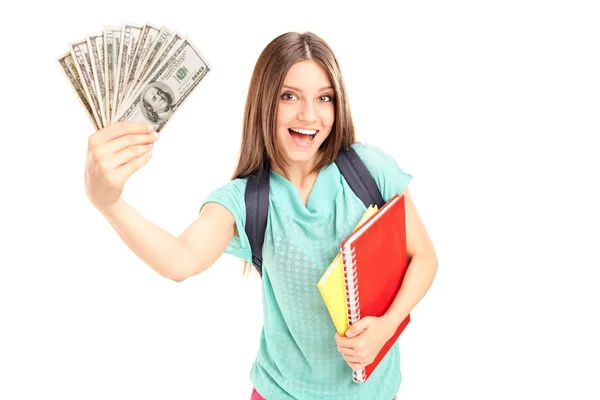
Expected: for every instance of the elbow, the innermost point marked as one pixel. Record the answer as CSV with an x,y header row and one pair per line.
x,y
185,271
427,261
178,279
433,265
180,276
174,272
432,261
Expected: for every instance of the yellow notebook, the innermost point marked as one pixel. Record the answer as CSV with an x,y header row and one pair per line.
x,y
331,286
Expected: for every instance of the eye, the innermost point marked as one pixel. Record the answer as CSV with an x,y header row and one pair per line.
x,y
288,96
325,98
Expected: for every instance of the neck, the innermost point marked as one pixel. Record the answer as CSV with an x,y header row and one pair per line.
x,y
299,173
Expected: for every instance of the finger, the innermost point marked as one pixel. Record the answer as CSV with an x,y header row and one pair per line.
x,y
354,344
353,359
118,129
123,142
345,344
356,366
123,128
346,351
123,172
343,341
124,156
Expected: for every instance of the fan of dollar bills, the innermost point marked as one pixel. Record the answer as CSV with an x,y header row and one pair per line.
x,y
133,73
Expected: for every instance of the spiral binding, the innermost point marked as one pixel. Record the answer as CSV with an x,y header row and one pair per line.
x,y
353,299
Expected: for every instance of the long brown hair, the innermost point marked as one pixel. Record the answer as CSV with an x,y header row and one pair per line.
x,y
258,145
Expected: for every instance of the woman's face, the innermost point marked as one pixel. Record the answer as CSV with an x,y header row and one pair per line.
x,y
306,111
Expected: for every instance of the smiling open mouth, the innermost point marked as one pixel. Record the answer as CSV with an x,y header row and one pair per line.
x,y
303,137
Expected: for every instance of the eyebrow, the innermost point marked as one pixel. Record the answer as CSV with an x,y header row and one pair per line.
x,y
300,90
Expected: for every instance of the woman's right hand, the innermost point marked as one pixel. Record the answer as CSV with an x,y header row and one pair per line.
x,y
114,154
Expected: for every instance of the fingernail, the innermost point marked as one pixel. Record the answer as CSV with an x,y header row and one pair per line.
x,y
150,128
156,135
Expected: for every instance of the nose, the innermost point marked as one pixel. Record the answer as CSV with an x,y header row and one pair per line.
x,y
307,113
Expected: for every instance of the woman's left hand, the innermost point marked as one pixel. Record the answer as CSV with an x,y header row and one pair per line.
x,y
363,341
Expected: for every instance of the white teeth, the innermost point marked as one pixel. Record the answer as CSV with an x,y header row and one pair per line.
x,y
305,131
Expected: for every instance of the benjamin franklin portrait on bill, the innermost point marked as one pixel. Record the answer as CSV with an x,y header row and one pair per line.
x,y
157,102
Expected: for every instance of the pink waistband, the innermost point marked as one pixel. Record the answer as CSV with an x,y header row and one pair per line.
x,y
256,396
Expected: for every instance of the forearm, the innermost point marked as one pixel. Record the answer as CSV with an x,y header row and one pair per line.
x,y
160,250
417,281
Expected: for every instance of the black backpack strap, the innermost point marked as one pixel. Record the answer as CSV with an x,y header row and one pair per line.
x,y
359,178
257,207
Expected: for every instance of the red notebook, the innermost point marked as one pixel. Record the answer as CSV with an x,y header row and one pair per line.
x,y
374,264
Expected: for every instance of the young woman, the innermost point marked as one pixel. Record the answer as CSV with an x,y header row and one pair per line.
x,y
297,119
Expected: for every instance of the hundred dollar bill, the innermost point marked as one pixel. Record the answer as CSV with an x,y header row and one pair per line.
x,y
80,53
68,67
129,37
171,47
146,40
137,31
110,34
167,51
96,51
163,40
168,88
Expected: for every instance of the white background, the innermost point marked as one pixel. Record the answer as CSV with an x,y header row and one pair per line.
x,y
492,106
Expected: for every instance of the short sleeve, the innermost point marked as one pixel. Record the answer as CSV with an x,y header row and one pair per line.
x,y
231,196
389,176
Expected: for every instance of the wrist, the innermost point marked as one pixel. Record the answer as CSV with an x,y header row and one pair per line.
x,y
109,209
389,325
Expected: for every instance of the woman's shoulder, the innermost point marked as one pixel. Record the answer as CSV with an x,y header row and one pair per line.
x,y
373,155
390,177
371,152
231,195
237,185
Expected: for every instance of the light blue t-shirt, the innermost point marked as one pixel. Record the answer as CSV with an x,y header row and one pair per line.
x,y
298,356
